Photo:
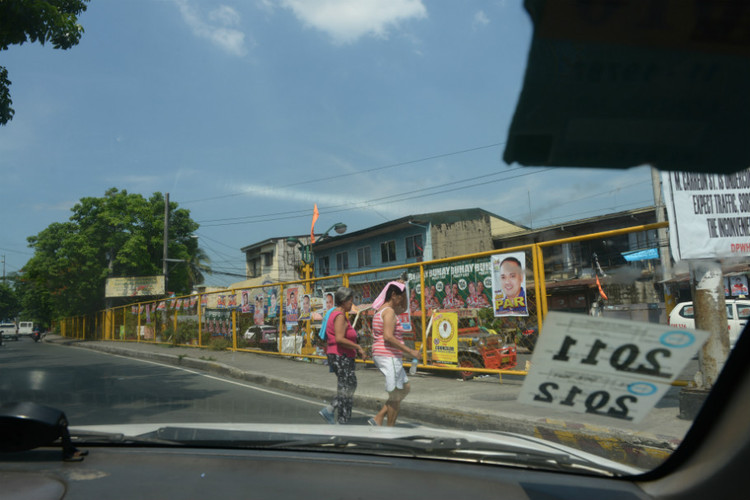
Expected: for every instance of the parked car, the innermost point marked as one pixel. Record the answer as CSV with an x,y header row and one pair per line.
x,y
8,331
738,311
262,337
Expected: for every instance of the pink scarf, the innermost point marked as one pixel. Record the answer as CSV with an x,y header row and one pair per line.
x,y
381,298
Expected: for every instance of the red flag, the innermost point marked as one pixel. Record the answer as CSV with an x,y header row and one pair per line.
x,y
601,292
312,228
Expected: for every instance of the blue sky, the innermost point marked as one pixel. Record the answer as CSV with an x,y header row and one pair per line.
x,y
248,112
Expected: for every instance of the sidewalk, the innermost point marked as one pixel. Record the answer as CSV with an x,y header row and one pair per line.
x,y
439,399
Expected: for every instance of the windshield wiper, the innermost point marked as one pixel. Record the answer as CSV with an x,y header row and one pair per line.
x,y
454,449
93,437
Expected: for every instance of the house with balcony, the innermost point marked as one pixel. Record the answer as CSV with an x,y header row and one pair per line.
x,y
271,261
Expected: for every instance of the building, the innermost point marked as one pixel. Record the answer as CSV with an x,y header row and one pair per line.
x,y
571,268
410,239
271,261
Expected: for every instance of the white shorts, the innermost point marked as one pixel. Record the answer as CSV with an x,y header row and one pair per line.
x,y
393,369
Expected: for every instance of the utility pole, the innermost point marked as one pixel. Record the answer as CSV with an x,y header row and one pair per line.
x,y
165,263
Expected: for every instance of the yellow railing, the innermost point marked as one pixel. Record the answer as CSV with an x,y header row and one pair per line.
x,y
219,320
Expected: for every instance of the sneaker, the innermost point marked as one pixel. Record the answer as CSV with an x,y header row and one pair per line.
x,y
327,416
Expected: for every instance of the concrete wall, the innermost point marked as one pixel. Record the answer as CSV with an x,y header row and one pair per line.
x,y
463,237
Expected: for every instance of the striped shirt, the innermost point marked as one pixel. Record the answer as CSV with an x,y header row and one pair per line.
x,y
379,346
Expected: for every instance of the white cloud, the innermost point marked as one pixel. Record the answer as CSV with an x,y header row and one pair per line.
x,y
217,26
322,199
346,21
480,20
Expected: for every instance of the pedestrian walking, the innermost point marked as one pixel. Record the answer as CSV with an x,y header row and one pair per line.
x,y
342,350
388,349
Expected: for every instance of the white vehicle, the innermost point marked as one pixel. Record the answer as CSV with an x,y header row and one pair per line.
x,y
26,328
738,311
9,331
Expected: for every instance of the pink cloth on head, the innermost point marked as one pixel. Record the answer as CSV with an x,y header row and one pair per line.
x,y
381,298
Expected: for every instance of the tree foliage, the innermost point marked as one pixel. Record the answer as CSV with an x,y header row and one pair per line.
x,y
10,306
117,235
54,21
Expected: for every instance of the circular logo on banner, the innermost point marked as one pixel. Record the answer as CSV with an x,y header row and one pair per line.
x,y
677,338
445,329
642,388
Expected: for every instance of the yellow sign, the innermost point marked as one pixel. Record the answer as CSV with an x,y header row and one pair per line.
x,y
445,337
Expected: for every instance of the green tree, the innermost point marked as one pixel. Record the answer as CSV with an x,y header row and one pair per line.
x,y
10,306
42,21
117,235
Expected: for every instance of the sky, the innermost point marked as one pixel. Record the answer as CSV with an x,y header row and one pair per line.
x,y
249,112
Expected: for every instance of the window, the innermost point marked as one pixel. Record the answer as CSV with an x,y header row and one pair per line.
x,y
342,261
363,257
267,259
388,251
252,268
687,312
414,246
325,266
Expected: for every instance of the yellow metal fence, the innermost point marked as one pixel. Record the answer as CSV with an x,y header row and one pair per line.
x,y
283,319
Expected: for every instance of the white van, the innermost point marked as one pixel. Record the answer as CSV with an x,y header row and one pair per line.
x,y
25,328
738,311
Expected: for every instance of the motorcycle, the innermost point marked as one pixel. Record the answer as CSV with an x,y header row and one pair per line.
x,y
36,335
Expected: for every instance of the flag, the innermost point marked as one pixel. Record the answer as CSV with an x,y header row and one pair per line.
x,y
316,214
601,292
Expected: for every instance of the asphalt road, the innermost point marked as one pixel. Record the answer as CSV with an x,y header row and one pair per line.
x,y
96,388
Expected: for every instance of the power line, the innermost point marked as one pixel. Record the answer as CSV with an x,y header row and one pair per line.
x,y
389,199
360,172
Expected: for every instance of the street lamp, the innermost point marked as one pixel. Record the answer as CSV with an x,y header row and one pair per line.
x,y
307,249
307,269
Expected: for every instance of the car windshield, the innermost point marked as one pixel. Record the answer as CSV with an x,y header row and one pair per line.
x,y
333,217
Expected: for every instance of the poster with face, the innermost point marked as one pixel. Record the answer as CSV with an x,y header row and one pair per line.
x,y
306,309
328,300
738,285
245,307
291,306
258,313
509,284
458,285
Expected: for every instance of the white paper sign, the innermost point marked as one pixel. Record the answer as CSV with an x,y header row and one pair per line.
x,y
709,214
609,367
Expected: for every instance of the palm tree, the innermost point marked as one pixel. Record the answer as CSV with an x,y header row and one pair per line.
x,y
198,263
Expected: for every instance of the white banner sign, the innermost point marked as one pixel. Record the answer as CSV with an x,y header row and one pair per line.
x,y
608,367
709,214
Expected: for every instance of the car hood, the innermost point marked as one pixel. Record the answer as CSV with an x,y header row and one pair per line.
x,y
426,439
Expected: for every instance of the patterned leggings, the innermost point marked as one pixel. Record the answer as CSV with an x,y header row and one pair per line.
x,y
343,367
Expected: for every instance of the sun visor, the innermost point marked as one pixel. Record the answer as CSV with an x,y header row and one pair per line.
x,y
615,84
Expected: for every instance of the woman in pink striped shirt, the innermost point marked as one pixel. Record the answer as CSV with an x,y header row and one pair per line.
x,y
388,349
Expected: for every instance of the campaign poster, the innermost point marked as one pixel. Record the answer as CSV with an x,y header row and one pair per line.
x,y
404,318
459,285
445,337
273,303
737,285
306,309
509,284
232,301
328,300
291,306
259,313
245,305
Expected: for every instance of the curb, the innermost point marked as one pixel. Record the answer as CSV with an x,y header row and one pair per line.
x,y
639,450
